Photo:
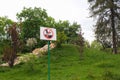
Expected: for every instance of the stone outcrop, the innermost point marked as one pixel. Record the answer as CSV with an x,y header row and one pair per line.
x,y
38,52
42,51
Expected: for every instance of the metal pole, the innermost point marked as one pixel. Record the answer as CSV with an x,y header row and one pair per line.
x,y
48,60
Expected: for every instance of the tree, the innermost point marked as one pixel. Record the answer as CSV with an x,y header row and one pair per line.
x,y
4,25
73,31
61,37
32,19
80,42
106,11
96,45
86,44
9,55
4,36
70,30
14,37
10,51
118,34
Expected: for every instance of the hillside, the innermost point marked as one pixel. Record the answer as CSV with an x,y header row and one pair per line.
x,y
67,65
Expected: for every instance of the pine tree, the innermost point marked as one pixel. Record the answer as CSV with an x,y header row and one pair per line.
x,y
106,12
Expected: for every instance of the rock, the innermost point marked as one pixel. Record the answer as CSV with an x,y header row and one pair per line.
x,y
43,50
17,61
52,45
4,64
38,52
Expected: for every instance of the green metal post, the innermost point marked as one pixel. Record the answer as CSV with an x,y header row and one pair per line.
x,y
48,60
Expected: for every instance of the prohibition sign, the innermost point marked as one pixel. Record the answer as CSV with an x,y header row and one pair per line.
x,y
48,33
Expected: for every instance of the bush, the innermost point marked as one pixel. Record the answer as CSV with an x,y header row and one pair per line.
x,y
9,55
40,43
95,44
61,37
2,44
79,40
108,50
31,44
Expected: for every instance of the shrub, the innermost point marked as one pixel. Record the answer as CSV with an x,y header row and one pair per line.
x,y
10,52
95,44
2,44
79,40
61,37
30,44
9,55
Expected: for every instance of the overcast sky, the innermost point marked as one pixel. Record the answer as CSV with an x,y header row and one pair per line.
x,y
72,10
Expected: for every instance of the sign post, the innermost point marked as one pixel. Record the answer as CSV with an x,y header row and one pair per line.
x,y
48,34
48,60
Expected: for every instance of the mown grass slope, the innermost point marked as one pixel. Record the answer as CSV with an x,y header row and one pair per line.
x,y
67,65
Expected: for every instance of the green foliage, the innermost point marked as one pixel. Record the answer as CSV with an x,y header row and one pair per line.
x,y
14,37
31,42
4,43
108,50
95,44
32,19
5,23
9,55
70,30
79,40
61,37
86,44
106,28
10,50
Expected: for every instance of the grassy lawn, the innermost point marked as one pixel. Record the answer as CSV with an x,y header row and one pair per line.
x,y
67,65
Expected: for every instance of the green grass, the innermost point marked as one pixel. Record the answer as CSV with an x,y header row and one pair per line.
x,y
67,65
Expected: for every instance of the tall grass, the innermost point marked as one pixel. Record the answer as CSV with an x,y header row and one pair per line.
x,y
67,65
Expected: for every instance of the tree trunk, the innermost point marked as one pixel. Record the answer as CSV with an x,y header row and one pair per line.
x,y
114,41
11,63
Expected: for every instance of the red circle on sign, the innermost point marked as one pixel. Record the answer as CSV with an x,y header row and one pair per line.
x,y
48,33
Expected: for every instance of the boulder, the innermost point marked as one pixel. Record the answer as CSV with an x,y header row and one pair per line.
x,y
43,50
